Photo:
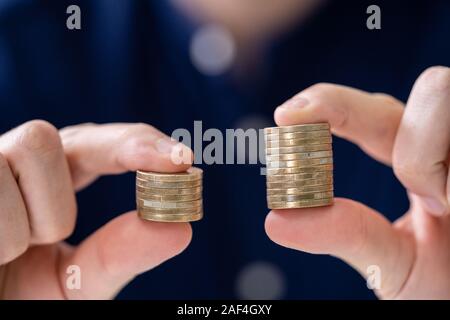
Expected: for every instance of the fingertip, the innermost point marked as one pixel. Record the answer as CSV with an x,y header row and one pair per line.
x,y
130,245
179,159
277,226
285,227
165,164
435,206
310,229
273,226
291,113
176,236
286,113
148,158
172,238
281,116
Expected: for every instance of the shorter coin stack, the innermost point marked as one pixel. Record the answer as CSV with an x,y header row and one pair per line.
x,y
299,163
174,197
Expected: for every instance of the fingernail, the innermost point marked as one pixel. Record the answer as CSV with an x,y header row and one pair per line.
x,y
434,206
295,102
165,145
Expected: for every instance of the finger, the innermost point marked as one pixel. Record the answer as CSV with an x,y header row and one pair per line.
x,y
14,228
350,231
94,150
422,148
36,157
368,120
121,250
448,181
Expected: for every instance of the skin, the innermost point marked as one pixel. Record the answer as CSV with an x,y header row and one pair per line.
x,y
252,23
413,253
250,20
41,169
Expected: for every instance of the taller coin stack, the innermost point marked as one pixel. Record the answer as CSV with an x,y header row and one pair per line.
x,y
299,163
175,197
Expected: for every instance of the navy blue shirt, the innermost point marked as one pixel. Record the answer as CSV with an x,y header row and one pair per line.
x,y
130,63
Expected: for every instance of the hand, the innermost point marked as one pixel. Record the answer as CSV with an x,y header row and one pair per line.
x,y
413,253
40,170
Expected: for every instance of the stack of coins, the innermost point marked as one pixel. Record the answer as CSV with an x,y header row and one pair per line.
x,y
175,197
299,163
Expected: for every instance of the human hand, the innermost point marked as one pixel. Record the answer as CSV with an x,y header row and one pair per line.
x,y
40,171
413,253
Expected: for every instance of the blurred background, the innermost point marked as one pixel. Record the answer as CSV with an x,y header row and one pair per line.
x,y
228,63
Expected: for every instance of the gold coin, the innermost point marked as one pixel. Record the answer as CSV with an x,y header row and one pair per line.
x,y
146,203
299,190
296,197
170,217
179,213
300,204
299,176
167,185
169,198
166,191
298,135
297,142
303,148
299,183
149,210
298,128
299,163
313,169
299,156
191,174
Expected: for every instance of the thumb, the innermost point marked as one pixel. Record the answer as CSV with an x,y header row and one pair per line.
x,y
119,251
352,232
